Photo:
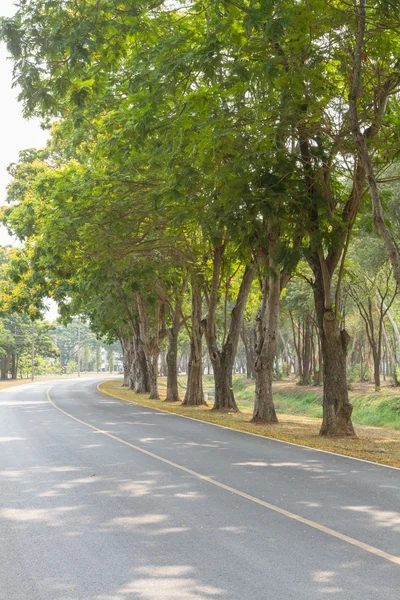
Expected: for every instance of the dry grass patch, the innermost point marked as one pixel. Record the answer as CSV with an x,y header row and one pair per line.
x,y
12,383
378,444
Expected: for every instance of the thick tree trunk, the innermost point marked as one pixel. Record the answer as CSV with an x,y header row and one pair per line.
x,y
224,397
138,376
194,395
172,367
154,393
267,326
336,406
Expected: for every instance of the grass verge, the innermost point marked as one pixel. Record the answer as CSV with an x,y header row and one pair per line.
x,y
377,444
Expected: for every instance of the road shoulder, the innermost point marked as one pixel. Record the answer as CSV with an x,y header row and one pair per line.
x,y
380,445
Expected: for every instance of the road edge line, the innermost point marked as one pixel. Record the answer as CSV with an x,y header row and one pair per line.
x,y
257,435
336,534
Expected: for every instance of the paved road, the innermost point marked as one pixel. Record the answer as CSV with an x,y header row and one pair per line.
x,y
85,516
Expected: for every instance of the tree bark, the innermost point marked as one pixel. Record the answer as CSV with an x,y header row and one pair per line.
x,y
14,366
139,380
337,409
248,343
194,395
172,366
223,360
126,342
267,330
141,377
151,347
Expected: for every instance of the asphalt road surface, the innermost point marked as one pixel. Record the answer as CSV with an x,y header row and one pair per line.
x,y
104,500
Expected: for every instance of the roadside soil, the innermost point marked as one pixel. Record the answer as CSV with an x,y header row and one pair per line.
x,y
376,444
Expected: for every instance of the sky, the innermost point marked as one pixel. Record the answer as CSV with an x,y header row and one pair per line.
x,y
17,133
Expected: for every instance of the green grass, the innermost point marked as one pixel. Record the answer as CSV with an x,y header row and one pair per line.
x,y
377,409
370,408
302,402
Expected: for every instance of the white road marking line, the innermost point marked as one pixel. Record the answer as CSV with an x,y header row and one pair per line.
x,y
277,509
257,435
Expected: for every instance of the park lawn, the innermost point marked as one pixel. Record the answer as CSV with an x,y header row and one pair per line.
x,y
377,444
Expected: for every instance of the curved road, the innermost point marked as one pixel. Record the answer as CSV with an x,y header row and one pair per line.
x,y
104,500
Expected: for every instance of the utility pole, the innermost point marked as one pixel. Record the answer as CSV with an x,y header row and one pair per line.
x,y
79,348
33,351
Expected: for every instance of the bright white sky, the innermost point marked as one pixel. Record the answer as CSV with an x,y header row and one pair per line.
x,y
16,132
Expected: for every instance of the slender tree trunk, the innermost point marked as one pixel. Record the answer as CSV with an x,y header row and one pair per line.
x,y
306,357
223,360
267,326
194,395
297,347
127,357
392,322
247,339
382,93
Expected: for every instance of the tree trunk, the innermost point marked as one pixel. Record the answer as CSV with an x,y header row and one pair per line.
x,y
222,364
154,393
267,326
140,375
194,395
14,366
336,406
139,380
127,356
382,93
223,360
306,353
248,343
224,397
297,347
151,347
172,367
377,374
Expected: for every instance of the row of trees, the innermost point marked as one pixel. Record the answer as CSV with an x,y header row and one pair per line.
x,y
200,155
